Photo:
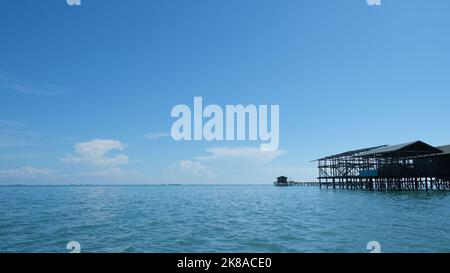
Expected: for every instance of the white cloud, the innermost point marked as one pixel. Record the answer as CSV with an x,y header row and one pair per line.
x,y
96,151
191,168
73,2
154,136
228,165
26,172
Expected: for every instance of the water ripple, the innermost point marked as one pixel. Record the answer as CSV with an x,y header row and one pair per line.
x,y
220,219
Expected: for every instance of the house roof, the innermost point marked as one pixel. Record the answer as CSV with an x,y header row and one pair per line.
x,y
349,153
415,148
445,149
412,148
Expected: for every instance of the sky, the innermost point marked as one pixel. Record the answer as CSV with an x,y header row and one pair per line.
x,y
86,91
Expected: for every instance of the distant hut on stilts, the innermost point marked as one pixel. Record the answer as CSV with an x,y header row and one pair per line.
x,y
281,181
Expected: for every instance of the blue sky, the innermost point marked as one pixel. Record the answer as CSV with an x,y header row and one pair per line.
x,y
86,91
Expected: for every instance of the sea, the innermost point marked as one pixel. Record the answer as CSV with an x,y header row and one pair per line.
x,y
221,218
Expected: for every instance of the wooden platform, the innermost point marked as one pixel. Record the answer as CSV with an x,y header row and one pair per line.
x,y
387,184
293,183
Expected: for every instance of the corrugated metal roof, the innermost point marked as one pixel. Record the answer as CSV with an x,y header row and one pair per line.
x,y
387,148
348,153
399,147
445,149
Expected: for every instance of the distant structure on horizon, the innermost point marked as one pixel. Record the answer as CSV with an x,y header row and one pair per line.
x,y
410,166
281,181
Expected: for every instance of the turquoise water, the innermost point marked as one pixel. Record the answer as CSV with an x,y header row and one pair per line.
x,y
220,219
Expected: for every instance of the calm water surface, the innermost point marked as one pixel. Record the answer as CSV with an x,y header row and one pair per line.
x,y
220,219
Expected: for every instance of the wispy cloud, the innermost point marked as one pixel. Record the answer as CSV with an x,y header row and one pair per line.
x,y
4,123
9,82
111,172
191,169
227,165
95,152
249,154
15,134
154,136
26,172
29,174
